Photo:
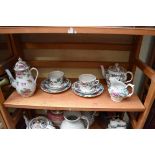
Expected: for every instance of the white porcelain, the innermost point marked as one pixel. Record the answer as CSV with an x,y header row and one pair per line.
x,y
24,82
118,72
56,78
119,90
73,120
87,82
39,122
98,90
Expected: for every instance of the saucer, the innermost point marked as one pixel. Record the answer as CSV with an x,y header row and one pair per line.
x,y
97,91
45,86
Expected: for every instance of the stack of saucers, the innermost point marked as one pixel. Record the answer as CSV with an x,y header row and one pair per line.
x,y
55,83
87,86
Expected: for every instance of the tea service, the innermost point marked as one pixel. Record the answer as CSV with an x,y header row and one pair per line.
x,y
87,86
55,83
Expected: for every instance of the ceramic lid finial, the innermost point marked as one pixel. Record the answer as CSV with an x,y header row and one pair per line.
x,y
20,65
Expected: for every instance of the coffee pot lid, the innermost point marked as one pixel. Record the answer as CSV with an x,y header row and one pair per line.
x,y
21,65
117,68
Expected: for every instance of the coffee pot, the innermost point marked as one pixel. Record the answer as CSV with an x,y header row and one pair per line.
x,y
24,82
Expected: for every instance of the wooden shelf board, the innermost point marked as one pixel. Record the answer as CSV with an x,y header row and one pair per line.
x,y
69,101
79,30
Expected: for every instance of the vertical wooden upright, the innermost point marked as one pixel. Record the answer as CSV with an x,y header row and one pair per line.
x,y
5,114
134,54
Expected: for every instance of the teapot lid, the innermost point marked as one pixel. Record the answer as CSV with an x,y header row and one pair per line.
x,y
21,65
117,68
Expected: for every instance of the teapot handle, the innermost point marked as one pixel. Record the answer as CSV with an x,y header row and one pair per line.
x,y
33,68
132,86
85,118
131,76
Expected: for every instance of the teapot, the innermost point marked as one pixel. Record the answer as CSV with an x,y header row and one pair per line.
x,y
24,83
118,72
73,120
118,90
39,122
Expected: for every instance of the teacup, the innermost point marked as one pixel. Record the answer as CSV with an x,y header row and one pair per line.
x,y
87,82
56,78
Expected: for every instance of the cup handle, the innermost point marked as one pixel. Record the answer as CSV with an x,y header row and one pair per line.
x,y
85,118
33,68
96,82
132,86
131,74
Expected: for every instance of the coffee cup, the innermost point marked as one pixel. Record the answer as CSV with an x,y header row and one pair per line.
x,y
56,78
87,82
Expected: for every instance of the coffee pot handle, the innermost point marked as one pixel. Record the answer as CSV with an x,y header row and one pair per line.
x,y
132,86
33,68
85,118
131,74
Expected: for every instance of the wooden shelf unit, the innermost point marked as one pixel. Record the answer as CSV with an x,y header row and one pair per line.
x,y
68,100
42,100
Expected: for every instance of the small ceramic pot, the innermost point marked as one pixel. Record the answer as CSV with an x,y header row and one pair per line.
x,y
56,117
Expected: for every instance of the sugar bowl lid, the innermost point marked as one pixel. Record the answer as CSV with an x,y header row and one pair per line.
x,y
21,65
116,68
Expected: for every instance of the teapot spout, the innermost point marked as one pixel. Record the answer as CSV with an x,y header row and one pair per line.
x,y
12,80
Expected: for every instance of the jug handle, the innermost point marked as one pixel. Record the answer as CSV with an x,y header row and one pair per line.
x,y
131,76
132,86
85,118
33,68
